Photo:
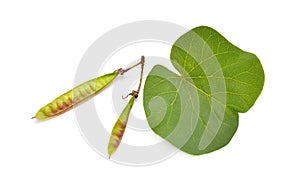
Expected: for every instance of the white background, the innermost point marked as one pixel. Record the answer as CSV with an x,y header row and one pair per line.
x,y
41,45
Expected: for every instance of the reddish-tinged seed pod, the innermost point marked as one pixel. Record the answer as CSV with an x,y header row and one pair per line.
x,y
120,125
79,94
75,96
119,128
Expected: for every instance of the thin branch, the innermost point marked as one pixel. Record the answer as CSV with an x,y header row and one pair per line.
x,y
142,70
135,93
122,71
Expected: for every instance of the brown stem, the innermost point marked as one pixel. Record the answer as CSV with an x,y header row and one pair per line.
x,y
122,71
141,75
135,93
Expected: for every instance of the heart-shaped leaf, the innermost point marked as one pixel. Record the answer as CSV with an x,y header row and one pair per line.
x,y
197,109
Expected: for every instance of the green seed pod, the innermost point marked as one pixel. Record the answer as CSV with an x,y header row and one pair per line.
x,y
119,128
75,96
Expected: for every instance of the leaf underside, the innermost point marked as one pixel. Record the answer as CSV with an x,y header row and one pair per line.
x,y
197,111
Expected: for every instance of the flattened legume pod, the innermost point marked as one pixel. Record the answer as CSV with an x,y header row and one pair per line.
x,y
75,96
119,128
120,125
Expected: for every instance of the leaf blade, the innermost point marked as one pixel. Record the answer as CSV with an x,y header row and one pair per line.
x,y
226,80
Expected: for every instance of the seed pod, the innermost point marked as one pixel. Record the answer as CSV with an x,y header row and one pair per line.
x,y
119,128
75,96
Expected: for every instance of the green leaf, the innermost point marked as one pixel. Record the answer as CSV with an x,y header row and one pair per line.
x,y
197,109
